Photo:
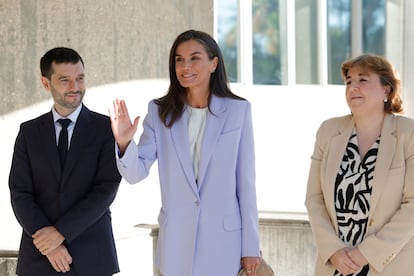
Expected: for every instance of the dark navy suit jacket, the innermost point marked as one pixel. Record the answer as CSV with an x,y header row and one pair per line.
x,y
75,200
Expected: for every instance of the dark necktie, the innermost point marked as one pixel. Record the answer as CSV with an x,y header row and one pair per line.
x,y
63,140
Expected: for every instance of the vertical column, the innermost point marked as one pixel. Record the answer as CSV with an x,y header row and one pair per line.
x,y
356,25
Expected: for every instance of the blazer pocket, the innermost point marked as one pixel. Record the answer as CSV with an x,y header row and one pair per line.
x,y
229,131
396,171
229,138
232,222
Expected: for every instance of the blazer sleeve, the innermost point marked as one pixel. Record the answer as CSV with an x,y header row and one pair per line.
x,y
392,223
246,187
137,160
22,189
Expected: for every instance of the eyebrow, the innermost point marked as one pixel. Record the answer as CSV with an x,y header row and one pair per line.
x,y
359,75
66,76
192,54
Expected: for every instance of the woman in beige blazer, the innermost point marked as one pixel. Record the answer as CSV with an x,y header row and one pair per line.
x,y
360,195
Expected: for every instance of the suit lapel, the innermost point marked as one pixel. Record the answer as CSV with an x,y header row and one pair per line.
x,y
179,134
385,156
79,138
214,125
337,147
48,137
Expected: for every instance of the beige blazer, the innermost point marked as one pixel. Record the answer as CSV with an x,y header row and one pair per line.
x,y
389,244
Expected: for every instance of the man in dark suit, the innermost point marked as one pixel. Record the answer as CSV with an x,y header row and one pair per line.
x,y
62,200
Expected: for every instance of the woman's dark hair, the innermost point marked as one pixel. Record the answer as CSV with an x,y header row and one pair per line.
x,y
370,63
171,105
58,55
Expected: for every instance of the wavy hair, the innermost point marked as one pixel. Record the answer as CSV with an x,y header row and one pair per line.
x,y
387,74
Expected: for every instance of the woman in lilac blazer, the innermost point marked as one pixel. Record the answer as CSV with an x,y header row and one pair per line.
x,y
201,134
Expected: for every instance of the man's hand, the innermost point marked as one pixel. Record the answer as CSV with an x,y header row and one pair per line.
x,y
47,239
60,259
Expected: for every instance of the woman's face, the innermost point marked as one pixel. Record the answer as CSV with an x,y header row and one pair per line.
x,y
364,92
193,66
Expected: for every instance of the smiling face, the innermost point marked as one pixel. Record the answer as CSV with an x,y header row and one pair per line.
x,y
193,66
365,93
67,86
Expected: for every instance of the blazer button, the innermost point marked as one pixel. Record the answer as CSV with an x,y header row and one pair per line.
x,y
197,203
371,221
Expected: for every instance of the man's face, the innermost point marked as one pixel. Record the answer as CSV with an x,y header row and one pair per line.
x,y
67,86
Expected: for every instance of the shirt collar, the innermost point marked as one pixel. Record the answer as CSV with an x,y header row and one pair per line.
x,y
73,116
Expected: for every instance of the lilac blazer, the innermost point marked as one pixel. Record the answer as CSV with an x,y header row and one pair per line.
x,y
208,225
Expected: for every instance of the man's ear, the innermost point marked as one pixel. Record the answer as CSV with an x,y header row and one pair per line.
x,y
45,82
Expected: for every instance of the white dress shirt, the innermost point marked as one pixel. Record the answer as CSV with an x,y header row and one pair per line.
x,y
73,117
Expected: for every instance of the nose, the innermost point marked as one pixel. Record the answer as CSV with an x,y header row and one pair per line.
x,y
187,65
73,86
353,86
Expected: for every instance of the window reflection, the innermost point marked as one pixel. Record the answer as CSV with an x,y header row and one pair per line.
x,y
268,36
228,37
340,36
307,37
269,45
374,26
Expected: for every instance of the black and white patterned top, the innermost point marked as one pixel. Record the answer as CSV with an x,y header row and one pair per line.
x,y
353,187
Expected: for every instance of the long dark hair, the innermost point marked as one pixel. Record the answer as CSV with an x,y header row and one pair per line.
x,y
171,105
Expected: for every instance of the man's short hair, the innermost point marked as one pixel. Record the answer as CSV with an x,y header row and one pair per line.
x,y
58,55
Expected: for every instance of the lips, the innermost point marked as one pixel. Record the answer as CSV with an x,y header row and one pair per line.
x,y
187,75
73,93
